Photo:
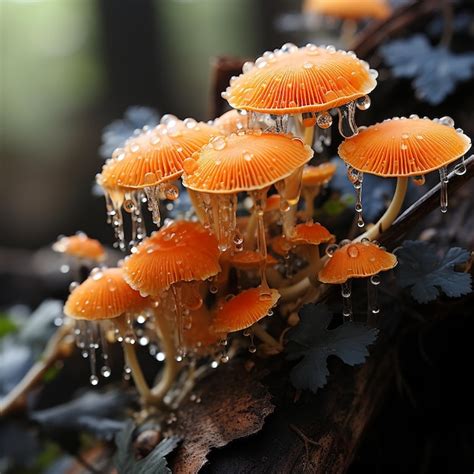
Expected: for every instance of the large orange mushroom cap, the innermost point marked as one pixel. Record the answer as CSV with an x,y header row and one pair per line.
x,y
350,9
318,175
80,246
296,80
312,234
246,162
404,147
156,155
244,310
356,260
181,251
104,295
230,122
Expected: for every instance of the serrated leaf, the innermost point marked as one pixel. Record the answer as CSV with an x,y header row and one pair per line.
x,y
435,70
115,134
155,462
93,412
420,269
313,343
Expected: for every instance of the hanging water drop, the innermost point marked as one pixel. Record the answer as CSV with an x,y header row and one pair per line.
x,y
443,176
347,125
346,301
363,103
460,168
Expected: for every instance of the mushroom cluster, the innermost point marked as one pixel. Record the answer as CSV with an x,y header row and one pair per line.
x,y
191,286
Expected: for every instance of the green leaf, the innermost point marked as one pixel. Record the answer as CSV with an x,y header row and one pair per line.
x,y
7,326
312,343
155,462
420,269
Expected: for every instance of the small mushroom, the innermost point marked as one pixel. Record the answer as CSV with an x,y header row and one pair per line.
x,y
349,9
314,177
105,296
356,260
231,122
402,148
80,246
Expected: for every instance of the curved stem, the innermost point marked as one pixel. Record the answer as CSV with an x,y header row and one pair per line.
x,y
390,214
131,361
291,293
171,366
263,335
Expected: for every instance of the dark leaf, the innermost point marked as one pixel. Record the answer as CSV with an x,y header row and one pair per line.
x,y
115,134
426,274
435,70
93,412
154,462
234,405
313,343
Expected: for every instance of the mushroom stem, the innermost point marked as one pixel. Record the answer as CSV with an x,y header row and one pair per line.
x,y
171,366
348,31
193,196
314,264
309,195
308,136
263,335
390,214
131,361
293,292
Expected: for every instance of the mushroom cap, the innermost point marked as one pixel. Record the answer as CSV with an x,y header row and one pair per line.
x,y
311,234
246,161
295,80
350,9
249,259
404,147
273,203
156,155
244,310
356,260
80,246
230,122
181,251
280,245
318,175
104,295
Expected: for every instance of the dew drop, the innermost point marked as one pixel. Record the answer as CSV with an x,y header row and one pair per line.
x,y
324,120
363,103
460,168
353,251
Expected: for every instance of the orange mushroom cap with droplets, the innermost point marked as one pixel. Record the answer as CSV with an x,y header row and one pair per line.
x,y
230,122
249,259
318,175
80,246
296,80
349,9
405,147
356,260
246,162
180,251
104,295
280,245
156,155
312,234
244,310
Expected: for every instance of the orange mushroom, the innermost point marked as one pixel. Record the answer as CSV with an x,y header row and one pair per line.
x,y
250,162
81,247
349,9
231,122
148,163
307,80
244,311
104,296
356,260
314,177
403,147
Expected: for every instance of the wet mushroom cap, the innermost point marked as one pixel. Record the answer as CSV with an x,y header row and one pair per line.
x,y
280,245
356,260
349,9
104,295
295,80
318,175
404,147
312,234
230,122
244,310
80,246
181,251
155,156
246,162
249,259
